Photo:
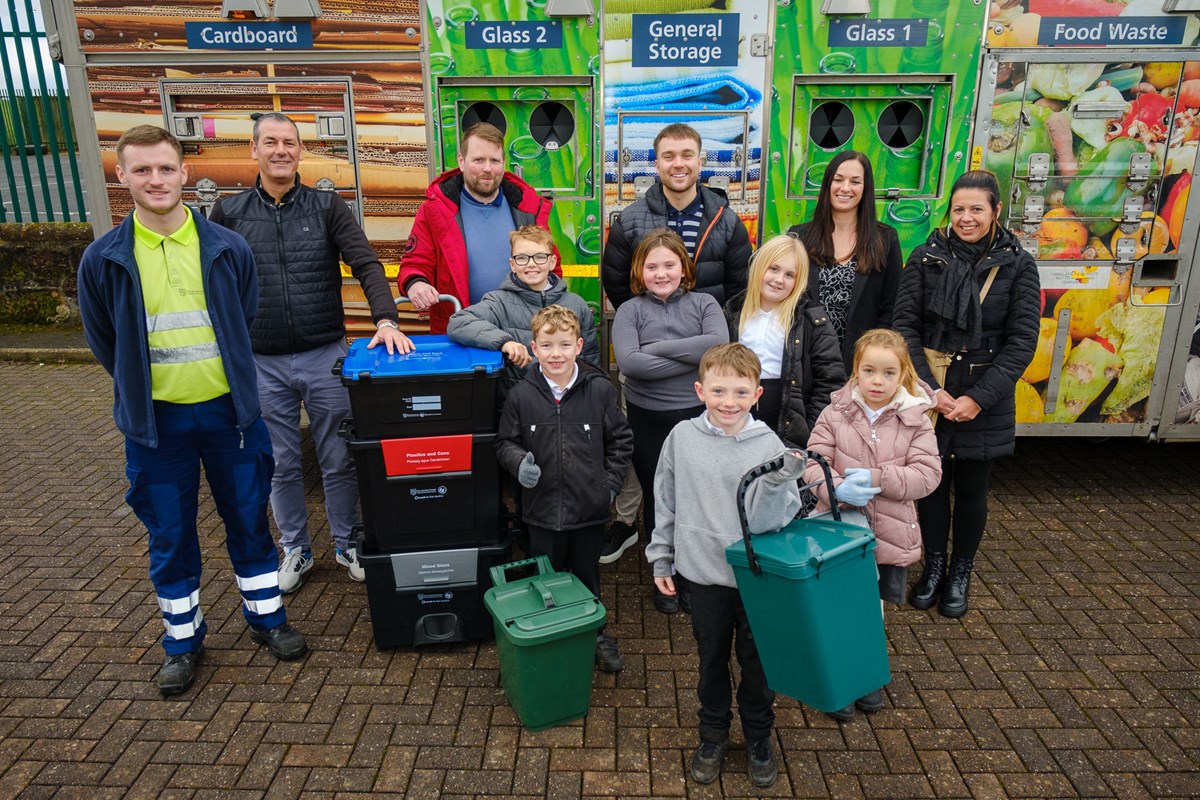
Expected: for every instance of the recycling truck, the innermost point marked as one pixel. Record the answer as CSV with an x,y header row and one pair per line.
x,y
1086,111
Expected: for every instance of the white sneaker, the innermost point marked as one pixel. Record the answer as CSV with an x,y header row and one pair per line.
x,y
348,558
296,561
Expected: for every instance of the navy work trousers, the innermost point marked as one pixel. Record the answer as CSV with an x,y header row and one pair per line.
x,y
164,487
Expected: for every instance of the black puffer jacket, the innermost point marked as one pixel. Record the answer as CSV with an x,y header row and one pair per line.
x,y
722,255
297,245
583,446
988,373
812,368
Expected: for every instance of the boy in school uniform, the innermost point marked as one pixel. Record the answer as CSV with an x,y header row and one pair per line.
x,y
702,462
501,318
563,436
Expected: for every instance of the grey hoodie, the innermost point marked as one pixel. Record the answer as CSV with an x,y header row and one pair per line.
x,y
503,315
695,494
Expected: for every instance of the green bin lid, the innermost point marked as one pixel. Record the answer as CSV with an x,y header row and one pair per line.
x,y
802,548
543,608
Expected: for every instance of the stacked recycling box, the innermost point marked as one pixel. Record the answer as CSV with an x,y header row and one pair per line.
x,y
422,436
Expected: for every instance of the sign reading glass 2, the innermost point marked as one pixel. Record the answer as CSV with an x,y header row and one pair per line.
x,y
521,35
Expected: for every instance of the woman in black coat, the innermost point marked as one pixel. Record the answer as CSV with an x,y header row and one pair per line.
x,y
792,337
856,260
990,343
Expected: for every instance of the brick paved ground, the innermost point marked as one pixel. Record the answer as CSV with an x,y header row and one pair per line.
x,y
1075,674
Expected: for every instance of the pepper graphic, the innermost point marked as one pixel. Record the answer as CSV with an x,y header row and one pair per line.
x,y
1097,193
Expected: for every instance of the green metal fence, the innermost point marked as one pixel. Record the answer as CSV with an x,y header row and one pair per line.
x,y
40,179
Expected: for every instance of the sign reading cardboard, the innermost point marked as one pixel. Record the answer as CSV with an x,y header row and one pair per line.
x,y
249,35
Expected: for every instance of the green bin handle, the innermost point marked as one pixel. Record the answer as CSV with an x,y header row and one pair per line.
x,y
774,465
499,572
547,597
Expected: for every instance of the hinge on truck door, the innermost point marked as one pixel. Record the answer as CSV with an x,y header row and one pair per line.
x,y
1039,170
1132,216
1139,171
1035,207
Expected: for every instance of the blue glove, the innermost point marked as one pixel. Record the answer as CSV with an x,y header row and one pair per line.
x,y
855,488
528,473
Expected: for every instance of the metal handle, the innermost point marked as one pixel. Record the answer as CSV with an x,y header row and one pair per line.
x,y
442,298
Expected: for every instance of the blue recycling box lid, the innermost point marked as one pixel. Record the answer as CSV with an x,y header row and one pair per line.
x,y
803,547
434,355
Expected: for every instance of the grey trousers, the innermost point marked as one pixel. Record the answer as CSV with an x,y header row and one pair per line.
x,y
284,382
629,500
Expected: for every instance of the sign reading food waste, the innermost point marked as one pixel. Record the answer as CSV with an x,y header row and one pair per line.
x,y
879,33
249,35
685,40
1120,31
520,35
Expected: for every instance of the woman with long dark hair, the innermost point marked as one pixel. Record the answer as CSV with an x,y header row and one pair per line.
x,y
968,306
856,260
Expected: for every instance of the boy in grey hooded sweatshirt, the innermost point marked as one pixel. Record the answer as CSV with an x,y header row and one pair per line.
x,y
696,518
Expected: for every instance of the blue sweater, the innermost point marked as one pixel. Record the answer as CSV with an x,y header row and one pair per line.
x,y
114,320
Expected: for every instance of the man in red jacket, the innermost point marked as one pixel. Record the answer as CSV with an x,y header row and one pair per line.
x,y
459,241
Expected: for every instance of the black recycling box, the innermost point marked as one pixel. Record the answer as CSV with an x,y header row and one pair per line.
x,y
428,491
430,596
440,387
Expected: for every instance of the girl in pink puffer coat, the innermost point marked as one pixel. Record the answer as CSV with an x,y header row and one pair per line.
x,y
879,441
878,422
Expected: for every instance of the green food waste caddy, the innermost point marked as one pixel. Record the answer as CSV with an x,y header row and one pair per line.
x,y
811,595
546,639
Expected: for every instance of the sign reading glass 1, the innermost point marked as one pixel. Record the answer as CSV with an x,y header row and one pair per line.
x,y
522,35
879,33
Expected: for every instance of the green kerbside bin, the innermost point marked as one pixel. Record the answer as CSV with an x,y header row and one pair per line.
x,y
811,594
546,638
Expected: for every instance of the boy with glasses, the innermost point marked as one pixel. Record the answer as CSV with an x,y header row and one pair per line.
x,y
501,318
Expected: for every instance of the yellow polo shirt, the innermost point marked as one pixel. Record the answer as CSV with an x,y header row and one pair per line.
x,y
185,362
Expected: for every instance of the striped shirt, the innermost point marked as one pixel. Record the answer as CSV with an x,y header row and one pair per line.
x,y
687,222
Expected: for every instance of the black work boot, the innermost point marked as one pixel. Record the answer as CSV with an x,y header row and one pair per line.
x,y
285,642
177,673
954,596
929,587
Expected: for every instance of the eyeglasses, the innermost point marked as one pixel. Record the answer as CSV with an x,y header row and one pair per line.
x,y
523,260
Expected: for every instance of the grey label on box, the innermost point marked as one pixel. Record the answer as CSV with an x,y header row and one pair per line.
x,y
435,568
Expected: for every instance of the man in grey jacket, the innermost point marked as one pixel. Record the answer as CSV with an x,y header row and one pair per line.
x,y
719,244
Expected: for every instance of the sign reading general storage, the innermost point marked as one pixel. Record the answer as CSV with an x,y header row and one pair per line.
x,y
685,40
521,35
1120,31
249,35
879,33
